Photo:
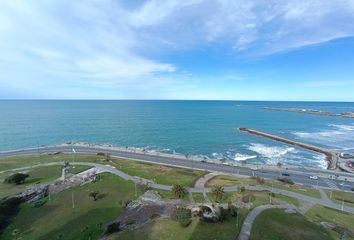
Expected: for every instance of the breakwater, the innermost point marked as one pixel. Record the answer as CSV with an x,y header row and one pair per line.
x,y
331,157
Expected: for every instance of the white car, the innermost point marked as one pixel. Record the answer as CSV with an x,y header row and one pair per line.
x,y
313,177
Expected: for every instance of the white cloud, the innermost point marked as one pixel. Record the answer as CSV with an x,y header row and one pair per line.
x,y
105,43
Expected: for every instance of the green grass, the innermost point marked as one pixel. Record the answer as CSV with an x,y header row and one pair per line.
x,y
296,188
338,196
276,224
161,229
226,181
78,169
198,197
342,219
158,173
57,217
24,161
261,197
36,175
287,199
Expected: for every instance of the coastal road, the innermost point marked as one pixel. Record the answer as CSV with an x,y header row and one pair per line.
x,y
301,177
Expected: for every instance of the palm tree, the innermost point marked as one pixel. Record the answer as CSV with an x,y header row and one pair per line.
x,y
178,190
218,192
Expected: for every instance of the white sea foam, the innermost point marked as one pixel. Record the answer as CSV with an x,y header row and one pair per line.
x,y
270,151
243,157
335,136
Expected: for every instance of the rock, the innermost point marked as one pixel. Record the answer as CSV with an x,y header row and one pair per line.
x,y
328,225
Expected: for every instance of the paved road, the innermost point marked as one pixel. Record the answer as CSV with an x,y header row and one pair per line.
x,y
247,224
301,176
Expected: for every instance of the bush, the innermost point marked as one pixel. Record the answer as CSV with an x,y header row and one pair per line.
x,y
224,214
248,198
8,209
17,178
112,228
286,180
242,189
232,210
183,216
39,203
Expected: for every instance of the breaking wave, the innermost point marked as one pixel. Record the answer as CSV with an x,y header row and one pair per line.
x,y
243,157
270,151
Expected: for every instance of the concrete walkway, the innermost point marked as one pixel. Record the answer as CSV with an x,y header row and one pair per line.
x,y
247,224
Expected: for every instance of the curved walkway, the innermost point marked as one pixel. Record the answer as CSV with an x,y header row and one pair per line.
x,y
245,232
138,180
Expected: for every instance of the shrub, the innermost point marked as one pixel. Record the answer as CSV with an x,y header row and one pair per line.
x,y
39,203
242,189
101,154
8,209
183,216
224,214
248,198
112,228
232,210
94,195
286,180
17,178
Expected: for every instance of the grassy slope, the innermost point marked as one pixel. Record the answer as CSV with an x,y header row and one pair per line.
x,y
161,174
36,175
231,181
274,224
338,196
344,220
58,217
197,230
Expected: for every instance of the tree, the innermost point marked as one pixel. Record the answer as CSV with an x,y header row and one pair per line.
x,y
218,192
94,195
279,164
17,178
179,191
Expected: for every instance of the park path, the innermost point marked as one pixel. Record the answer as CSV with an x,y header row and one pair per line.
x,y
202,181
204,190
247,224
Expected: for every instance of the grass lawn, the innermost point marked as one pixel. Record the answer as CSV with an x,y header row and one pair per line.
x,y
261,197
36,175
78,169
296,188
276,224
159,173
167,229
58,220
24,161
198,197
287,199
344,220
338,196
227,181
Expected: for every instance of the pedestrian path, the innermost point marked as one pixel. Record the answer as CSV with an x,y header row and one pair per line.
x,y
245,232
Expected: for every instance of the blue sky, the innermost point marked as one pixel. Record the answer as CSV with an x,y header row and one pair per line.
x,y
197,49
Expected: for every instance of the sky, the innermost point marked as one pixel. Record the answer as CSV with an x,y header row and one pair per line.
x,y
299,50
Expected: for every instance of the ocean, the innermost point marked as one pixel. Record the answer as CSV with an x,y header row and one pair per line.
x,y
202,128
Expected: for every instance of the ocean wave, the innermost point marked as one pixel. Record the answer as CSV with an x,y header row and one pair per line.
x,y
337,136
270,151
243,157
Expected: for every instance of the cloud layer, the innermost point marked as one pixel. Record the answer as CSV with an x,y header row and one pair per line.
x,y
119,44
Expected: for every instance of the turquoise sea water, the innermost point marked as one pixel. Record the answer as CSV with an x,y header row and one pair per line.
x,y
185,127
